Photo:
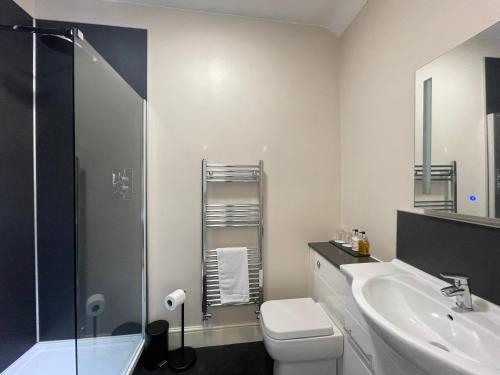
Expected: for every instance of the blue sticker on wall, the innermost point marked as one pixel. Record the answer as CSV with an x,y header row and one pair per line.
x,y
472,198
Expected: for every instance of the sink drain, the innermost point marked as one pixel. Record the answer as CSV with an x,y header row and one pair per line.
x,y
440,346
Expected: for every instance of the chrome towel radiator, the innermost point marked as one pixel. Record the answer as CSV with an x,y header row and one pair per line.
x,y
231,215
445,173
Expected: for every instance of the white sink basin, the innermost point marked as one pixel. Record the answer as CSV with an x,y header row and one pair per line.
x,y
405,307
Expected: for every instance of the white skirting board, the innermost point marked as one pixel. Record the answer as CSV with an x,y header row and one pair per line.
x,y
201,336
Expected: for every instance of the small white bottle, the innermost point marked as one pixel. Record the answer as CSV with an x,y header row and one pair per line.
x,y
355,240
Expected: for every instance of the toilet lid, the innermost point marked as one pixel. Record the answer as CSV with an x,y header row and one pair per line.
x,y
294,319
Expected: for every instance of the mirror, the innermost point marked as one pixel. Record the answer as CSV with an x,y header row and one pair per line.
x,y
457,129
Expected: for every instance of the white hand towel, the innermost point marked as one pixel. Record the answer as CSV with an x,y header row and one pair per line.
x,y
233,275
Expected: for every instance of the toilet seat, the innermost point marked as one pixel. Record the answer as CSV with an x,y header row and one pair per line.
x,y
295,319
305,350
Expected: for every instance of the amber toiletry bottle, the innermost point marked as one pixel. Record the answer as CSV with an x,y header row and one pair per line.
x,y
364,245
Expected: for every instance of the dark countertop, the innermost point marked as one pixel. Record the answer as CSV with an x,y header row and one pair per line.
x,y
336,256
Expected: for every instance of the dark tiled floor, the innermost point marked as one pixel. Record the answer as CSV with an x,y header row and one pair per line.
x,y
238,359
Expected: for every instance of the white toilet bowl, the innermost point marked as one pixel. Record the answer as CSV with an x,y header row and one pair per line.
x,y
300,337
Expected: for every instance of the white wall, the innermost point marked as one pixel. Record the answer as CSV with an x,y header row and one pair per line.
x,y
233,90
380,52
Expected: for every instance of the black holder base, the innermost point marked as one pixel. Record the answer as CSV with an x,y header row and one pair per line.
x,y
181,359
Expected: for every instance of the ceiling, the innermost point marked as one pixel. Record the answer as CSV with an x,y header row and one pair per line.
x,y
335,15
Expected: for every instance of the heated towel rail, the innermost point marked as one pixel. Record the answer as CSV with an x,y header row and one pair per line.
x,y
236,215
445,173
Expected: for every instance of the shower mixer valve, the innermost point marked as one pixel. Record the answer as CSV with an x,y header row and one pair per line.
x,y
122,183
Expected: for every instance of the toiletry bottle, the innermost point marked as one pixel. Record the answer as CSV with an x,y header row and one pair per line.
x,y
364,245
355,240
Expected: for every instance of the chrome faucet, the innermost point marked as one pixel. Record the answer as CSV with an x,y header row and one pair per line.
x,y
460,289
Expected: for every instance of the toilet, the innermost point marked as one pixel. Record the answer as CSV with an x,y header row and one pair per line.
x,y
300,337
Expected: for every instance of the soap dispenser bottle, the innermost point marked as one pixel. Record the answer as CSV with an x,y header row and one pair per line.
x,y
364,245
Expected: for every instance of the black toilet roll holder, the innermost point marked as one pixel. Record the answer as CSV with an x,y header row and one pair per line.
x,y
185,357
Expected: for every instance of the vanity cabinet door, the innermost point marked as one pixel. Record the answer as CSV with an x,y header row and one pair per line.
x,y
329,300
332,276
352,364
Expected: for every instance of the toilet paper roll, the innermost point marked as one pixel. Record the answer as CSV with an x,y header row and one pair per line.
x,y
95,305
174,299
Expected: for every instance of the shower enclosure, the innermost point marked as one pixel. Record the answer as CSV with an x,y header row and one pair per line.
x,y
88,305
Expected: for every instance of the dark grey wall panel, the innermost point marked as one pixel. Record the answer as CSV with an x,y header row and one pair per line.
x,y
55,188
437,245
17,257
125,49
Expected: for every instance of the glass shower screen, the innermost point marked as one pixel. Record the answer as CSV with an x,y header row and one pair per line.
x,y
109,182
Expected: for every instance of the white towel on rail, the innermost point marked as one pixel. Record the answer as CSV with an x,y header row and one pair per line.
x,y
233,275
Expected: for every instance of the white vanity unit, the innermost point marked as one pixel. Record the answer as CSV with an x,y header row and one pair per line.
x,y
395,320
365,353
